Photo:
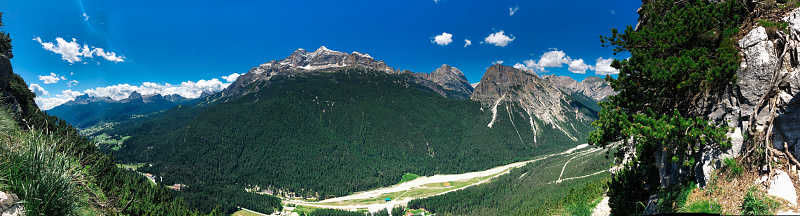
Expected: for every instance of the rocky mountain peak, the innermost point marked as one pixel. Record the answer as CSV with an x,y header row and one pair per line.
x,y
134,95
594,87
535,95
449,78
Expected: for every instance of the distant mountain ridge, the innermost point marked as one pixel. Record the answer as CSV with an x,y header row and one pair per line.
x,y
594,87
446,81
85,111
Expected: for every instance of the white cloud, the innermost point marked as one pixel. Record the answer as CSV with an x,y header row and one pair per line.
x,y
231,78
499,39
603,67
443,39
497,62
110,56
73,52
467,42
72,83
50,79
513,10
50,102
86,18
38,90
557,58
188,89
578,66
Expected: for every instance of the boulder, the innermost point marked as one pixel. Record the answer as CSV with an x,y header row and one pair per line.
x,y
782,187
7,200
16,210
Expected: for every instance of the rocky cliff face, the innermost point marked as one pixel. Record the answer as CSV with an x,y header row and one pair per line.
x,y
448,78
764,99
446,81
535,95
593,87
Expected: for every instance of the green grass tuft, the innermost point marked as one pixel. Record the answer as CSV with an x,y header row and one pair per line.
x,y
733,167
44,178
702,206
674,198
755,203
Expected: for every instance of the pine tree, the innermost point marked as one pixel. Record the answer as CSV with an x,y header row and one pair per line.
x,y
683,51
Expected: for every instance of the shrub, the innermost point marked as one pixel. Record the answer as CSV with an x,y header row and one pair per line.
x,y
732,166
754,203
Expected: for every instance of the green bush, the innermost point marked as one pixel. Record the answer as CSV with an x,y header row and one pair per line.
x,y
755,203
40,175
732,166
408,177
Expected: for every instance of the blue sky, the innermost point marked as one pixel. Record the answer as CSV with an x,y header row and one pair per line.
x,y
110,48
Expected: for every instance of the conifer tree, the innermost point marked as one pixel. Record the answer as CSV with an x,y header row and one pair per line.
x,y
683,51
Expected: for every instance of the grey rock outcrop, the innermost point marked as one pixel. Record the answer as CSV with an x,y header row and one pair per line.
x,y
764,99
449,78
10,205
593,87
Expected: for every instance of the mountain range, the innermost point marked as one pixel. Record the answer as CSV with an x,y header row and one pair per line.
x,y
327,123
86,111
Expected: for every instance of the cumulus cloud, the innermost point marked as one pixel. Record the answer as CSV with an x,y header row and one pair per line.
x,y
557,58
578,66
72,52
50,102
499,39
110,56
497,62
443,39
50,79
603,67
231,78
467,42
188,89
86,18
72,83
513,10
38,90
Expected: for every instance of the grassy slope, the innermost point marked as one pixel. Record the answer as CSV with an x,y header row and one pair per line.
x,y
530,190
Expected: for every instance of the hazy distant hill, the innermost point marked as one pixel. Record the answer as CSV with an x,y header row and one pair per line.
x,y
86,111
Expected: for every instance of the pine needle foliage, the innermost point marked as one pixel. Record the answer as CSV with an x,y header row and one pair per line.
x,y
683,50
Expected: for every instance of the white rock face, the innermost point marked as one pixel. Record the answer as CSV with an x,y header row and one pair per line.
x,y
781,186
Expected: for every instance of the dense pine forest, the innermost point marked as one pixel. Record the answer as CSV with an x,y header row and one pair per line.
x,y
533,189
